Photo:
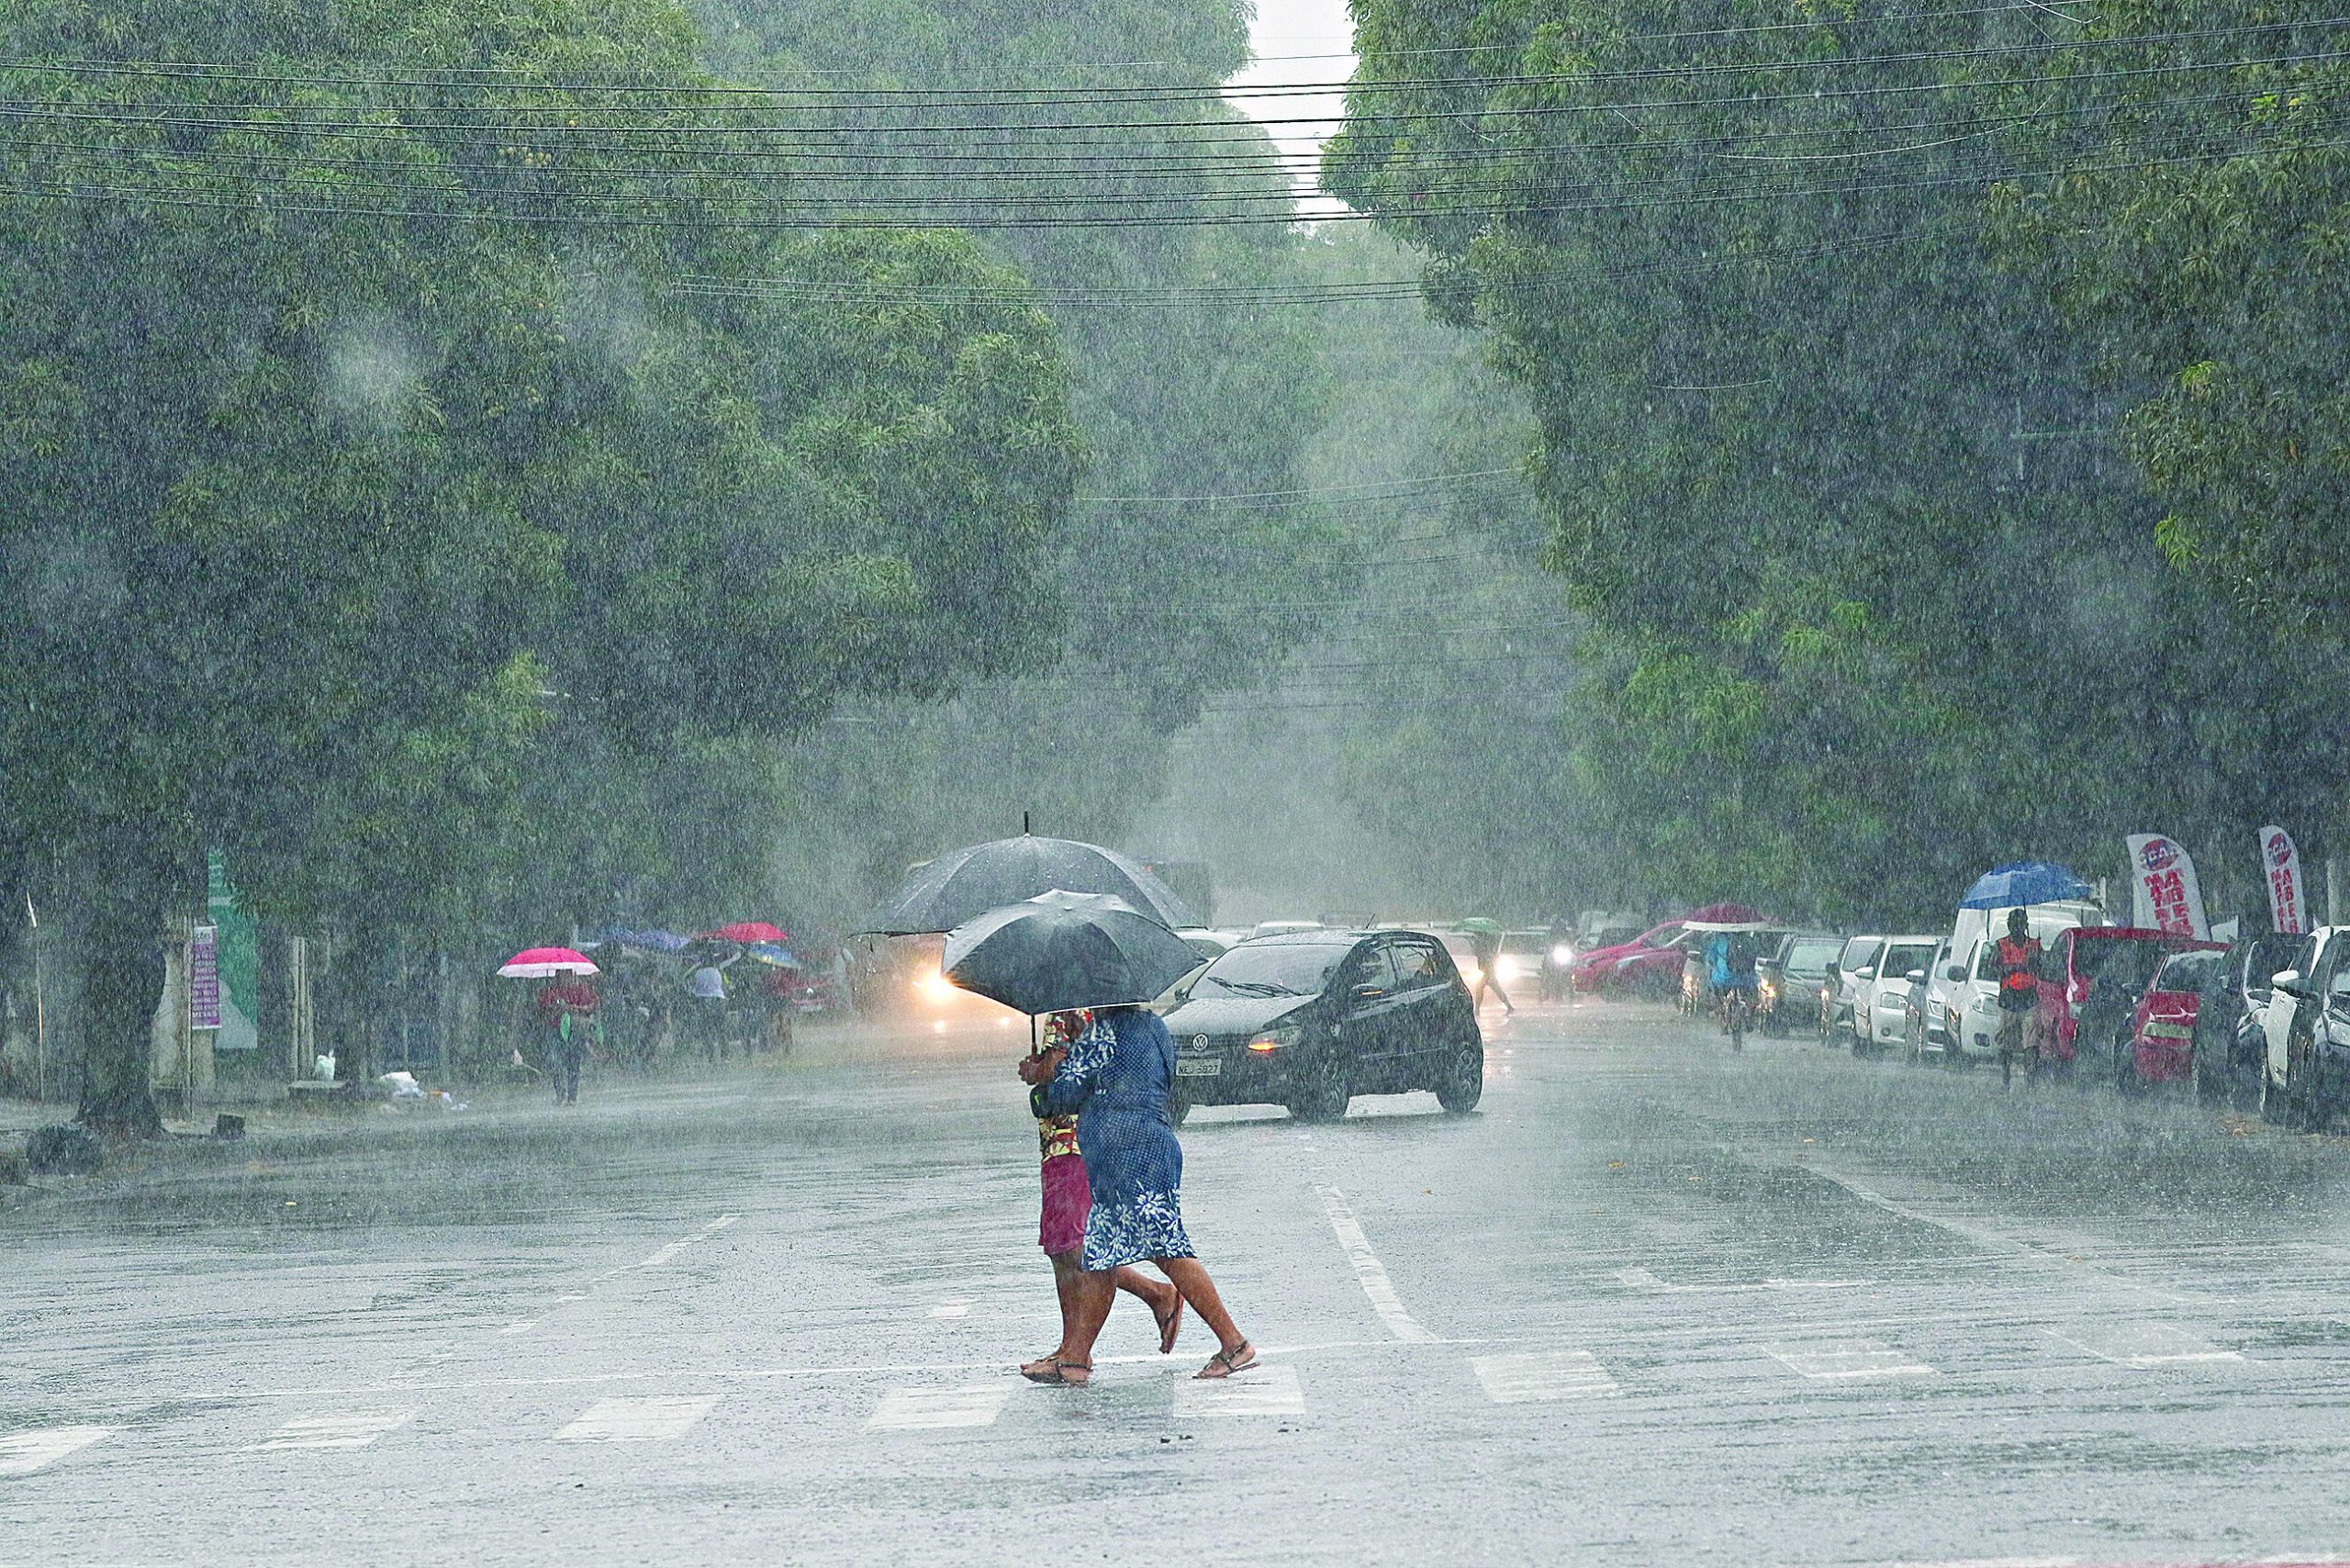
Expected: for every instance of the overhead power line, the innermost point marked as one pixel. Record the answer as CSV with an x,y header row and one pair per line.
x,y
734,97
327,114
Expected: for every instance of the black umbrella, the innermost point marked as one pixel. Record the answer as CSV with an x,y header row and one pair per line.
x,y
1066,950
967,883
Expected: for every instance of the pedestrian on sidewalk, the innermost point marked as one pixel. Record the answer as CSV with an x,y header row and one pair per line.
x,y
2018,957
566,1006
1061,1229
705,988
1117,1078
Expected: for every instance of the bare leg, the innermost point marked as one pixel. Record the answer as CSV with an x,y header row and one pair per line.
x,y
1191,1278
1095,1294
1163,1299
1066,1275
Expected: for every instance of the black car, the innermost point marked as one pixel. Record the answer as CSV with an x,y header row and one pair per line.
x,y
1788,978
1308,1019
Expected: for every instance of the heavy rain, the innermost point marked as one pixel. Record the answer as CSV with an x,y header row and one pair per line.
x,y
1363,781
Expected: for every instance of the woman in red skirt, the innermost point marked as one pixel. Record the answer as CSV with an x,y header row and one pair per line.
x,y
1061,1230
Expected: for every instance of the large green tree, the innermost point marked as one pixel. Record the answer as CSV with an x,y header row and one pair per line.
x,y
1872,603
347,464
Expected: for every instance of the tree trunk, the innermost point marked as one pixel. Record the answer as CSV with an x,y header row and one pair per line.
x,y
122,980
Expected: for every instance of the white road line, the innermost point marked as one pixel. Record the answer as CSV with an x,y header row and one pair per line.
x,y
1369,1270
1544,1375
1261,1390
2141,1345
21,1453
670,1249
245,1394
336,1431
1847,1359
954,1306
925,1410
653,1418
1645,1280
520,1325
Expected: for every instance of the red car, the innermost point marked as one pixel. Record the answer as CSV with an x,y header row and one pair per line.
x,y
2161,1030
1654,958
2091,979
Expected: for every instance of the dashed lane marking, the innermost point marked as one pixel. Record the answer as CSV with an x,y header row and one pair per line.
x,y
953,1306
1847,1359
1261,1390
926,1409
1544,1375
21,1453
345,1430
1369,1271
2141,1345
668,1251
651,1419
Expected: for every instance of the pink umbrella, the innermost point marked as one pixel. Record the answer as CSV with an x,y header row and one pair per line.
x,y
538,963
748,931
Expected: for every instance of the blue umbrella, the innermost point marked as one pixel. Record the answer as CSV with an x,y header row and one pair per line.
x,y
775,957
2024,882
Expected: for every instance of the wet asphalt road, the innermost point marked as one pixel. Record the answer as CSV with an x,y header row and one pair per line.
x,y
1651,1304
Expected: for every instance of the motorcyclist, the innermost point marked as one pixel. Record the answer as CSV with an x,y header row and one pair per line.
x,y
1558,953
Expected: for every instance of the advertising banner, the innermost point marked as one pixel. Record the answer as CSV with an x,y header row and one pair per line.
x,y
204,977
2164,895
2280,863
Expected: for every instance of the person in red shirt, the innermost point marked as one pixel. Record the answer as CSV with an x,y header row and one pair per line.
x,y
566,1008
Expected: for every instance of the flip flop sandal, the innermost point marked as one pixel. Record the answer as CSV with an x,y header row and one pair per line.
x,y
1170,1326
1239,1359
1053,1377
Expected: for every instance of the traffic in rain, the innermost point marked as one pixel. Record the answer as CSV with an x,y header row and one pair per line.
x,y
1261,781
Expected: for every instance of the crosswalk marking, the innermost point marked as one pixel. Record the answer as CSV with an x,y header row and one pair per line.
x,y
923,1410
1261,1390
2141,1345
1543,1374
651,1419
1847,1358
337,1431
21,1453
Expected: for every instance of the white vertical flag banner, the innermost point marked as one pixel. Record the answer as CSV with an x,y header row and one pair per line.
x,y
2164,895
2280,863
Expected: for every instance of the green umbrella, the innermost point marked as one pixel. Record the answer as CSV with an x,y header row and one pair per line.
x,y
1480,927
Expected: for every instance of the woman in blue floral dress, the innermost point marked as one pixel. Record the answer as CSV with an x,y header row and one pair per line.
x,y
1117,1078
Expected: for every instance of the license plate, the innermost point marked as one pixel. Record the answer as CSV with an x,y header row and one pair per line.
x,y
1198,1069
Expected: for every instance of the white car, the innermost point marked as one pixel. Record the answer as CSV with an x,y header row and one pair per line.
x,y
1881,991
1860,953
2307,1020
1932,1012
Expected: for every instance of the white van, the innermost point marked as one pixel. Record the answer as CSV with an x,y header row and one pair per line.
x,y
1971,976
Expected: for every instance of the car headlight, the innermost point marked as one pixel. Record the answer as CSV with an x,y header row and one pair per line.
x,y
1275,1039
1563,955
936,988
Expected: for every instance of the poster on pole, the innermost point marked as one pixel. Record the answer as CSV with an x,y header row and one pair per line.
x,y
2280,863
2164,895
204,977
